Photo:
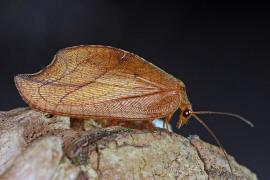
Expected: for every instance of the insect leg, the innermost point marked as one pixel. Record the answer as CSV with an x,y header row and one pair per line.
x,y
113,123
150,125
179,123
166,121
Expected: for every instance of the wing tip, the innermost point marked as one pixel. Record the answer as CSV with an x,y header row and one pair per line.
x,y
19,83
22,76
18,80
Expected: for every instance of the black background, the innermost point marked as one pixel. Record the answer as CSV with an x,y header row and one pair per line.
x,y
220,50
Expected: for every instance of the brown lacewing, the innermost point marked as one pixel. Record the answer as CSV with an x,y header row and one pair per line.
x,y
103,82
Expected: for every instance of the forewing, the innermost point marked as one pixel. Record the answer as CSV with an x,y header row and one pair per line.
x,y
93,81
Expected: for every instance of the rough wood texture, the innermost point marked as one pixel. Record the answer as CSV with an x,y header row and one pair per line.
x,y
36,147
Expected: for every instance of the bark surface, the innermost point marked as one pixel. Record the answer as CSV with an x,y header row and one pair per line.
x,y
37,146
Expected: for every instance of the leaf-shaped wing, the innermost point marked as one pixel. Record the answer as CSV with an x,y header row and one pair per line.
x,y
101,82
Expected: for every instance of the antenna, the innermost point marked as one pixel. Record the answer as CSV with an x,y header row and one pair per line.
x,y
216,139
228,114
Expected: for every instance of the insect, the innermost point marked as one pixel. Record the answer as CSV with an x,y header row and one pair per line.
x,y
103,82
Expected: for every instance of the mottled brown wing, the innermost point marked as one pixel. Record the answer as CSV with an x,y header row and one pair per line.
x,y
99,81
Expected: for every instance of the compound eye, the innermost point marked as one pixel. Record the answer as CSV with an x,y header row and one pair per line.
x,y
186,113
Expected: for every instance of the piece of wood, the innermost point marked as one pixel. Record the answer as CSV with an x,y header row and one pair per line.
x,y
98,153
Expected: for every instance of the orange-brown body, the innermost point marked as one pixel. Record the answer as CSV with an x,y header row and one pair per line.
x,y
103,82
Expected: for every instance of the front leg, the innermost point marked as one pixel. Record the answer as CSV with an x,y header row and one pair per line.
x,y
166,121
